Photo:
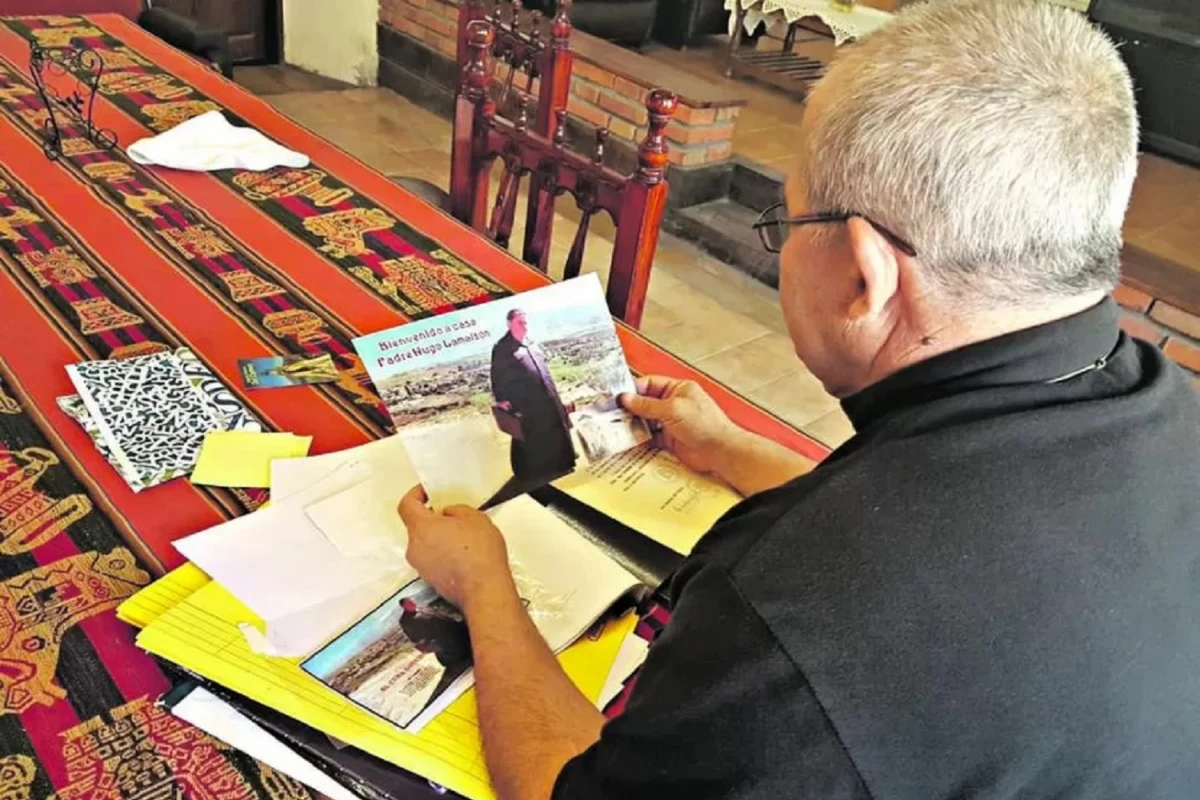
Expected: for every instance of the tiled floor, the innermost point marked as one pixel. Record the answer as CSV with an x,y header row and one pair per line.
x,y
707,313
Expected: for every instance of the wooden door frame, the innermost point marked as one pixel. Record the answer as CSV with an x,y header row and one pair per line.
x,y
273,31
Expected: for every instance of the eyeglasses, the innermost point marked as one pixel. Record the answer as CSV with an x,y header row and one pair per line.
x,y
772,224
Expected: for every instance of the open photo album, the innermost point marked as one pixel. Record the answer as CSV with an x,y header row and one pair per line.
x,y
323,573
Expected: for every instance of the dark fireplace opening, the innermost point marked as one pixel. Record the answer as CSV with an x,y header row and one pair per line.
x,y
1178,20
1160,41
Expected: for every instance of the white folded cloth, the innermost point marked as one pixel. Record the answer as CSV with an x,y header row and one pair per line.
x,y
208,142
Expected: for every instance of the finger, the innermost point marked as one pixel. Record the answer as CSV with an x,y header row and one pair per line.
x,y
412,506
659,386
646,407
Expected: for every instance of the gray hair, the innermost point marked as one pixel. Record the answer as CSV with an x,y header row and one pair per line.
x,y
999,137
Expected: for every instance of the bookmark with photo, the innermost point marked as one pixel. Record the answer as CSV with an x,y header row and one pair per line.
x,y
275,372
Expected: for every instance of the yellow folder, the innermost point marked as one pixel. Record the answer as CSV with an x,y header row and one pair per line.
x,y
193,621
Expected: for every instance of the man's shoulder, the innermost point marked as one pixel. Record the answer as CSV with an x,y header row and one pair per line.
x,y
504,345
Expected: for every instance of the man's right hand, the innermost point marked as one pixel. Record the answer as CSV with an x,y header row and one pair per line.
x,y
696,430
693,426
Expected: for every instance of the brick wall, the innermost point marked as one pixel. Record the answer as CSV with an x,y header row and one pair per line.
x,y
606,100
432,22
698,136
1175,331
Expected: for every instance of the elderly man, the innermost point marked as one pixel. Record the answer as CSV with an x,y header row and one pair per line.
x,y
993,589
522,385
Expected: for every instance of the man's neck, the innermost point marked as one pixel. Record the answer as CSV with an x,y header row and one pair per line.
x,y
929,334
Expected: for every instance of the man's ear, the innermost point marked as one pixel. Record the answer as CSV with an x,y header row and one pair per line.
x,y
879,270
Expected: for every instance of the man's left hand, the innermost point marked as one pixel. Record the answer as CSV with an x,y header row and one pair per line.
x,y
459,552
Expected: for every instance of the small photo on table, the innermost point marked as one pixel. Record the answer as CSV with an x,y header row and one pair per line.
x,y
401,659
273,372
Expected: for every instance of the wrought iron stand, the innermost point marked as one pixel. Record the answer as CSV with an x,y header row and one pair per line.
x,y
73,110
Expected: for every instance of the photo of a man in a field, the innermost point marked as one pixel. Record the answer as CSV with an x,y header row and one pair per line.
x,y
400,659
524,389
498,400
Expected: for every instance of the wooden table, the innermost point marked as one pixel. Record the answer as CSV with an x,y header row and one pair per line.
x,y
101,258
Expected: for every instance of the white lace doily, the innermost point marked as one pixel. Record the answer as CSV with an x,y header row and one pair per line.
x,y
853,24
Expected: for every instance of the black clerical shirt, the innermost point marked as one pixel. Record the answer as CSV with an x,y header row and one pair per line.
x,y
991,591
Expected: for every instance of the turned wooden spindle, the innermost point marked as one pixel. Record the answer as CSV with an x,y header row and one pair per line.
x,y
560,127
644,198
478,73
517,8
468,12
473,113
522,112
653,153
601,139
560,26
504,212
533,53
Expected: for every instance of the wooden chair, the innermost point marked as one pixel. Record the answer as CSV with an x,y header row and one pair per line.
x,y
635,202
538,53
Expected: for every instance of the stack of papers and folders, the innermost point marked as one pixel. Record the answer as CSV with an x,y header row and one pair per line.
x,y
313,640
192,622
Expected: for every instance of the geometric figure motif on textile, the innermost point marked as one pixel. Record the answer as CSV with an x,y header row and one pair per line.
x,y
8,406
63,36
136,350
280,786
385,288
17,774
281,182
111,172
343,231
452,262
431,284
162,86
78,146
145,753
9,222
35,117
144,202
38,607
245,285
58,265
59,20
196,241
303,326
12,93
354,379
164,116
99,314
122,58
28,516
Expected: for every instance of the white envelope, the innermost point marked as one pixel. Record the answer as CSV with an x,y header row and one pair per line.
x,y
362,520
287,572
387,458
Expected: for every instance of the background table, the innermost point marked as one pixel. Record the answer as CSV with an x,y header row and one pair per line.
x,y
784,68
101,258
